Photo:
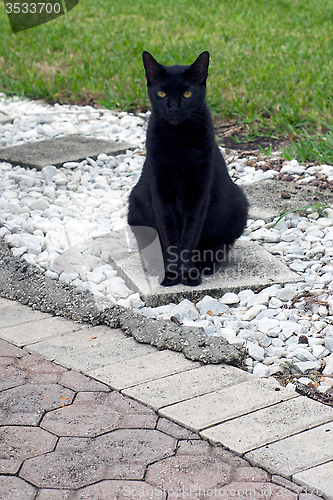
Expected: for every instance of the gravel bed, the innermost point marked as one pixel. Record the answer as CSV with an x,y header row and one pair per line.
x,y
44,215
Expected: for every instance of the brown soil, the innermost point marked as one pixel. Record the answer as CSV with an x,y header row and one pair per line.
x,y
227,130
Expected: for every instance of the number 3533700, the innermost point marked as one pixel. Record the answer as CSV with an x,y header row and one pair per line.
x,y
33,8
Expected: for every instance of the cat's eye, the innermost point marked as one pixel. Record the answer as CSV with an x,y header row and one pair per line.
x,y
160,93
187,93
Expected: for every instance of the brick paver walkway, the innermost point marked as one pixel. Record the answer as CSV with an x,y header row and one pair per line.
x,y
65,436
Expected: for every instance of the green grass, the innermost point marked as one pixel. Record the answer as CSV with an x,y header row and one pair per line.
x,y
305,210
271,60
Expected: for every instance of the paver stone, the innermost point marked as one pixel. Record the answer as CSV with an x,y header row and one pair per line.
x,y
175,430
38,370
248,266
52,494
14,488
63,470
10,375
290,456
182,476
18,443
78,382
7,349
24,405
199,448
120,490
96,413
251,490
270,424
317,480
133,445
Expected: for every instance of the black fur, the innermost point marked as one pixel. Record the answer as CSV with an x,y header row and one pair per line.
x,y
185,192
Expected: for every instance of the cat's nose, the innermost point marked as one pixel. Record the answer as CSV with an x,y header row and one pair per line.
x,y
174,109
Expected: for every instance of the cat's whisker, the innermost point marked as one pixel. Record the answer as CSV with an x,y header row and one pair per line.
x,y
197,119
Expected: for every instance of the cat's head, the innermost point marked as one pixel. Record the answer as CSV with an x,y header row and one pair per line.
x,y
176,92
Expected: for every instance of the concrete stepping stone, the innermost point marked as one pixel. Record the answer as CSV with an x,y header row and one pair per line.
x,y
73,148
290,456
262,427
184,387
226,402
142,368
4,118
317,479
249,266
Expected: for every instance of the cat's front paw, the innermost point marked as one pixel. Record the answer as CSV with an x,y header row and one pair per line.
x,y
191,279
170,279
208,270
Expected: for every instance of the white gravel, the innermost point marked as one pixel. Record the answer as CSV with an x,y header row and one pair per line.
x,y
47,215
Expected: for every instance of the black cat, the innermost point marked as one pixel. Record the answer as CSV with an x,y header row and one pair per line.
x,y
185,192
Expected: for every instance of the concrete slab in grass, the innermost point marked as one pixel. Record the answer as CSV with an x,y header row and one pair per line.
x,y
143,369
249,266
185,385
296,453
270,424
34,331
5,119
317,480
73,352
60,150
210,409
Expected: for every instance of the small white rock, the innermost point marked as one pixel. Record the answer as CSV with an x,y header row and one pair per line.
x,y
253,312
229,298
269,326
39,204
210,304
185,309
245,295
48,172
292,167
260,370
285,294
103,157
328,370
256,351
51,274
275,303
71,164
68,277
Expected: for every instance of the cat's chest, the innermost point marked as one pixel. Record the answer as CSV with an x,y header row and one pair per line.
x,y
180,155
180,186
181,163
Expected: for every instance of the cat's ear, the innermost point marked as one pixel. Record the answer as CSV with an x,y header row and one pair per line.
x,y
152,67
198,71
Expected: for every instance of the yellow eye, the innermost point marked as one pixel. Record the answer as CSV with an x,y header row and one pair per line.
x,y
187,93
160,93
